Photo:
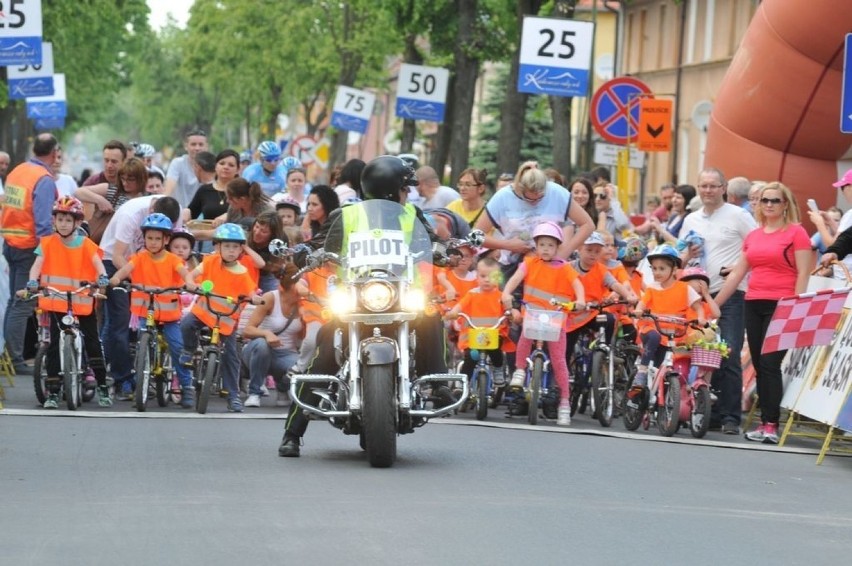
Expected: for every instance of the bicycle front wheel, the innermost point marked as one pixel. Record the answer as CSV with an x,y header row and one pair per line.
x,y
481,395
70,372
602,388
668,408
40,374
163,374
535,389
208,376
144,355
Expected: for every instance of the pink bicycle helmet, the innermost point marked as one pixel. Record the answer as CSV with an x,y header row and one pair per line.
x,y
549,228
694,273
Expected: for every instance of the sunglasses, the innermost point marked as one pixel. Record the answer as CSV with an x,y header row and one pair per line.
x,y
601,196
272,159
765,200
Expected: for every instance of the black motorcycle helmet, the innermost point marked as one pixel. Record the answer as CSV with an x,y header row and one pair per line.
x,y
385,176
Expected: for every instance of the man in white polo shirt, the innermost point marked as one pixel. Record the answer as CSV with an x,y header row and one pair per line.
x,y
122,238
723,226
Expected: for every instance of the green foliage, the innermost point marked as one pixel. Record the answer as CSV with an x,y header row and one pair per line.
x,y
536,144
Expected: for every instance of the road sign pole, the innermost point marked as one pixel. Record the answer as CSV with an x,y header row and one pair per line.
x,y
623,178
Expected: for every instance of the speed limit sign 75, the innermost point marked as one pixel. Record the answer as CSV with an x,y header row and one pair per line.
x,y
555,56
421,92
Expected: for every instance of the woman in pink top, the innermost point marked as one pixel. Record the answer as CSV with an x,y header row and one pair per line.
x,y
778,253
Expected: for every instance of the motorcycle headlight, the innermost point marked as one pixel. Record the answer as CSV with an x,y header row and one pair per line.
x,y
414,300
339,301
378,296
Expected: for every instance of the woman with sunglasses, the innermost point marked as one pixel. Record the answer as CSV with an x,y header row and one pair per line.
x,y
516,209
610,218
669,231
778,254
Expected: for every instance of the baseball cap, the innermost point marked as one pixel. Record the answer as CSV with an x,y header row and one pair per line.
x,y
595,238
846,179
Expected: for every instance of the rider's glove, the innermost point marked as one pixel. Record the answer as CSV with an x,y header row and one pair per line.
x,y
103,280
32,285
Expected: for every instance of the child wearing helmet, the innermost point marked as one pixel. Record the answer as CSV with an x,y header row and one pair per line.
x,y
66,260
181,243
665,296
156,267
231,279
698,279
288,210
546,276
631,253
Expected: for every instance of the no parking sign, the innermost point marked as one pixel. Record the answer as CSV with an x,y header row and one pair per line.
x,y
615,109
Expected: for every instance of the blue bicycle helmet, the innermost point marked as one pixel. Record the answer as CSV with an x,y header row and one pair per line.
x,y
291,162
269,150
245,157
229,232
665,251
157,221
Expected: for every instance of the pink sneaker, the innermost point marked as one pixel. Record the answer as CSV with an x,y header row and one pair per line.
x,y
270,382
770,433
758,434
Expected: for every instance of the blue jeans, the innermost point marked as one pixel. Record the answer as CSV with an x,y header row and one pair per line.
x,y
174,338
262,360
115,333
229,365
18,311
728,379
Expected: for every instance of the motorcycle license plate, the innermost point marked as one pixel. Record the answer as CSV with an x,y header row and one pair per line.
x,y
483,338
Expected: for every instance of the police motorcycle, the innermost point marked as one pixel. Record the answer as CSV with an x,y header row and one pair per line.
x,y
382,286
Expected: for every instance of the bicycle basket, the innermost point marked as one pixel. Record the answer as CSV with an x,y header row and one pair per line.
x,y
542,324
483,338
706,358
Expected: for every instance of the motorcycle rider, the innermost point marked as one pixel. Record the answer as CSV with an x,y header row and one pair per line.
x,y
386,177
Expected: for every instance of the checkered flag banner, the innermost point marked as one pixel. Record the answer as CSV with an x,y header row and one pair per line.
x,y
809,319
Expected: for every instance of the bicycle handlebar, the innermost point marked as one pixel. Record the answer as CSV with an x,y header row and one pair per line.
x,y
683,323
47,290
150,290
498,324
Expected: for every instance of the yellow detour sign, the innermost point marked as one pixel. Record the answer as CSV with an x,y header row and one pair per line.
x,y
655,125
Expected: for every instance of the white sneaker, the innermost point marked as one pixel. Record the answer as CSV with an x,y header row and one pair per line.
x,y
252,401
563,417
264,391
518,378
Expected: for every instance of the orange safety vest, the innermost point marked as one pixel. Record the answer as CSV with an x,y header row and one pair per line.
x,y
156,274
66,269
484,309
18,219
673,301
544,282
635,280
318,286
462,286
254,272
226,283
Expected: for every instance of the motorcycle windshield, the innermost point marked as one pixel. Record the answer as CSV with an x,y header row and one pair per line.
x,y
383,236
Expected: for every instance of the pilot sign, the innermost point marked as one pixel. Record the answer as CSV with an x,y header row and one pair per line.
x,y
377,247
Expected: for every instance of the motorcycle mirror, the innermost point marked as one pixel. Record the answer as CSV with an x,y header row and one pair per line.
x,y
278,248
476,238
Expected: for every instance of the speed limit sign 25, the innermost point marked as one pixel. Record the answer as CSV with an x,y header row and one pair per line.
x,y
555,56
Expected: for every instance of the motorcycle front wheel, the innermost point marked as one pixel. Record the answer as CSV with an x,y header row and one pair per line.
x,y
379,414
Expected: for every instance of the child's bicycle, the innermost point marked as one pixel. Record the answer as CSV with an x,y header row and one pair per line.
x,y
671,399
540,325
153,362
480,341
593,375
71,354
210,350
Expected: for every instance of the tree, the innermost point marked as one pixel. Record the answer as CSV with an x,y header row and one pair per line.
x,y
535,143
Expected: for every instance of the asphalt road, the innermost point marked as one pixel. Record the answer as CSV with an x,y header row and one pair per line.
x,y
212,490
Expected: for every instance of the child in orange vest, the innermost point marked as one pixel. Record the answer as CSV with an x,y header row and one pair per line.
x,y
460,279
158,268
546,276
231,279
65,260
669,297
634,250
483,305
314,288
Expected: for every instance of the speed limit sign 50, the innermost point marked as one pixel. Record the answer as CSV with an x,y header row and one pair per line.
x,y
555,57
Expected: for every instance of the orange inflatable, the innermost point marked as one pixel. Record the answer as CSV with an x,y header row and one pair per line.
x,y
777,114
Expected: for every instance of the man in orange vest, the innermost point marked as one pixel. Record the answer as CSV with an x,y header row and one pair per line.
x,y
30,193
